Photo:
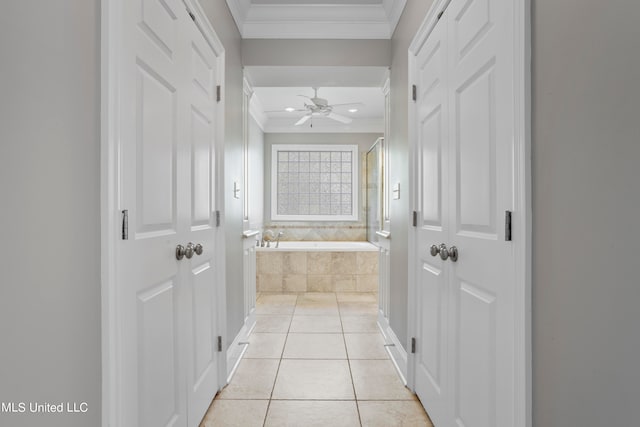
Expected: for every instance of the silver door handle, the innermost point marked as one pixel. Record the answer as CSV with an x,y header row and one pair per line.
x,y
180,252
444,252
188,252
198,249
450,253
434,250
453,253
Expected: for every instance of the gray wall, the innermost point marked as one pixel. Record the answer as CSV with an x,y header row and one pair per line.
x,y
50,209
270,52
225,27
256,175
586,206
398,142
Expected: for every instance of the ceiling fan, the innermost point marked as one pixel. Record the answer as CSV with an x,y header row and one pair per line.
x,y
320,107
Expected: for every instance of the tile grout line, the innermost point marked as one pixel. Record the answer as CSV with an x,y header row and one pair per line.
x,y
266,414
300,298
353,385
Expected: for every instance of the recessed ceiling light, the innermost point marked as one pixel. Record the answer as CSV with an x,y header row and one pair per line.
x,y
353,110
289,109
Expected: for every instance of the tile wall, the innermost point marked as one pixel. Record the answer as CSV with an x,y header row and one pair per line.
x,y
320,231
317,271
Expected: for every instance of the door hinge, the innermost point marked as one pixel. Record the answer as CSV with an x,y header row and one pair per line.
x,y
507,226
443,10
193,17
414,221
219,343
218,93
125,224
217,218
413,345
414,93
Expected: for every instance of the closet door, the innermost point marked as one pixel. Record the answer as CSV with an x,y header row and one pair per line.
x,y
165,306
199,132
432,180
151,387
481,135
464,361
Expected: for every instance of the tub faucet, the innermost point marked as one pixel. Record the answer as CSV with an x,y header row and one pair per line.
x,y
280,234
267,237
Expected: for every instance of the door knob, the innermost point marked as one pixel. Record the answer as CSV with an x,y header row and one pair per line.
x,y
444,252
188,252
434,250
180,252
453,253
198,249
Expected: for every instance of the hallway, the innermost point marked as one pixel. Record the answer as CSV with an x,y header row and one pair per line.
x,y
316,359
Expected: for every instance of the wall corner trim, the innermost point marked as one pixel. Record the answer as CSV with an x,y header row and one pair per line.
x,y
239,346
395,348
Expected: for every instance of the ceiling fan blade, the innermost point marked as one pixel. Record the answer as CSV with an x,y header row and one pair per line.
x,y
339,118
284,111
344,105
303,119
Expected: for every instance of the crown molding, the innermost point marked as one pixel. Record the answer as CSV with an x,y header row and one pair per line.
x,y
239,10
255,106
316,21
394,9
257,112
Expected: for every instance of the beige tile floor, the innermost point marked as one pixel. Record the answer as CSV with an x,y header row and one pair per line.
x,y
316,359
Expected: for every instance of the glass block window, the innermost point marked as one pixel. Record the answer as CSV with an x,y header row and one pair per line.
x,y
314,182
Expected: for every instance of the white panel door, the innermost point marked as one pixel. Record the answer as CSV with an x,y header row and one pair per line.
x,y
200,282
431,361
464,361
152,391
166,307
481,124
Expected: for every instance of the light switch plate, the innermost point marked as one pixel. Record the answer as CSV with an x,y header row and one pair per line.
x,y
396,191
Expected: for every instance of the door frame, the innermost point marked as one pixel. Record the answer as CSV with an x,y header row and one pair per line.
x,y
110,216
522,219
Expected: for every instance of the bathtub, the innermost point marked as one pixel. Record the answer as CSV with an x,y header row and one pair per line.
x,y
317,267
289,246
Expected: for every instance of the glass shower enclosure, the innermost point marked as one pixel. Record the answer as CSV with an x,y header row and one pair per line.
x,y
375,189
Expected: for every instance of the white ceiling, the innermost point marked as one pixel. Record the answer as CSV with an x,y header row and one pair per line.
x,y
316,19
276,88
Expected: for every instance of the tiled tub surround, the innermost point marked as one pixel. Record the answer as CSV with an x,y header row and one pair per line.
x,y
320,230
318,267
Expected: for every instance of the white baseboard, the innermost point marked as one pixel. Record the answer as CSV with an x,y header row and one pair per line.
x,y
238,347
395,349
